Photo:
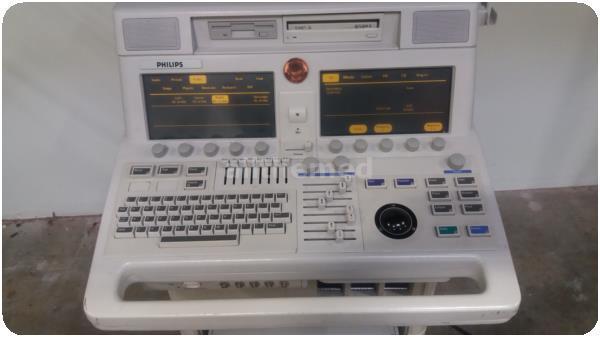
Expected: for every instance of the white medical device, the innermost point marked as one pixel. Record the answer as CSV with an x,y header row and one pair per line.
x,y
299,165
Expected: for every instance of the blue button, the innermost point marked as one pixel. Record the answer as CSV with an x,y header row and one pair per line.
x,y
404,182
376,182
478,230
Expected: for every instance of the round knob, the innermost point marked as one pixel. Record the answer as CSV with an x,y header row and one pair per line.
x,y
236,148
335,146
412,144
185,149
295,70
438,144
261,148
360,145
386,145
159,150
211,149
311,164
341,163
456,161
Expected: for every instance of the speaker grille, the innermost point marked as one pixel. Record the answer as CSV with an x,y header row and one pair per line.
x,y
151,34
441,26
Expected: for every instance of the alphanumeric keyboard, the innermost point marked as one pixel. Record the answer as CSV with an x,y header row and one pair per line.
x,y
218,219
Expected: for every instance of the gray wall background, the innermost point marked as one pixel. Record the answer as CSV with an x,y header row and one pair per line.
x,y
535,110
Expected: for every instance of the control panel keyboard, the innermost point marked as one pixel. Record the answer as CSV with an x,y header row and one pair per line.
x,y
207,219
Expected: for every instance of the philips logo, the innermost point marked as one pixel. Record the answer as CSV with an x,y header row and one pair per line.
x,y
169,64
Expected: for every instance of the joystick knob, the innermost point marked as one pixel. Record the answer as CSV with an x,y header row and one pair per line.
x,y
335,146
438,144
311,164
185,149
456,161
386,145
159,150
360,145
261,148
211,149
341,163
412,144
236,149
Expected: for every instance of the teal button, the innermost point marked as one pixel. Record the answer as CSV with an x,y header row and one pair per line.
x,y
447,231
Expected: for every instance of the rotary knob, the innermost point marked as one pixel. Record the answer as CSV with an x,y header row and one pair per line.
x,y
335,146
341,163
411,144
310,164
456,161
386,145
360,145
211,149
261,148
159,150
185,149
236,149
438,144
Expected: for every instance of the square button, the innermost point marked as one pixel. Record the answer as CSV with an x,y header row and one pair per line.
x,y
469,209
442,209
404,183
196,170
468,195
168,170
436,182
478,230
439,195
447,231
141,170
375,183
465,181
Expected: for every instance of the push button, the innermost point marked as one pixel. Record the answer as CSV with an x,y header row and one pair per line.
x,y
447,231
143,171
478,230
168,170
436,182
196,171
469,209
439,195
442,209
465,181
468,195
404,182
375,183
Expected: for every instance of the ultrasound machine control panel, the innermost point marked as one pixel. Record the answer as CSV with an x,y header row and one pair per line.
x,y
278,153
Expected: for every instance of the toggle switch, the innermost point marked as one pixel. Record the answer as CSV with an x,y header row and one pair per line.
x,y
350,214
331,227
329,195
342,187
339,236
321,203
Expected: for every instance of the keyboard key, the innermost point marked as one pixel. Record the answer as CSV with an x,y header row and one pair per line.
x,y
173,210
244,198
148,210
194,199
275,228
155,201
135,221
175,220
162,220
284,217
149,220
255,198
232,228
212,209
206,199
166,231
200,219
140,232
231,198
160,210
135,210
180,230
193,230
131,201
188,220
265,217
237,208
181,200
199,209
219,199
124,232
143,201
202,240
252,218
186,210
123,221
224,209
281,197
275,207
168,200
258,229
219,229
122,211
249,208
246,229
263,207
269,197
226,218
239,218
153,231
206,230
214,219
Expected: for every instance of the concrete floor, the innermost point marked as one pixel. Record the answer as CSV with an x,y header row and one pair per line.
x,y
552,232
